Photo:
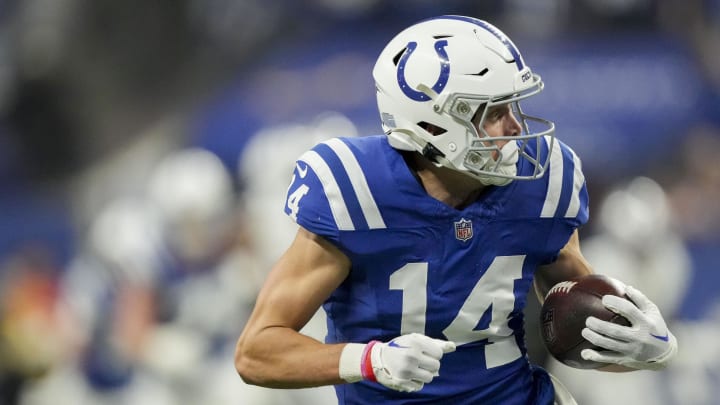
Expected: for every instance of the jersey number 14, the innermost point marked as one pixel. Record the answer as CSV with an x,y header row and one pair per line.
x,y
493,290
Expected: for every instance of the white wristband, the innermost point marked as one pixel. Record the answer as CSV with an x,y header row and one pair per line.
x,y
350,362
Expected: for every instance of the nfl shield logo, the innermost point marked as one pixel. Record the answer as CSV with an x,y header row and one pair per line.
x,y
463,230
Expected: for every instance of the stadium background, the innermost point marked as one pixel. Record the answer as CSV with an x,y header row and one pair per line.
x,y
95,94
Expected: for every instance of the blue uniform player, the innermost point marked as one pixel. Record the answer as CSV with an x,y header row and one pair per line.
x,y
421,244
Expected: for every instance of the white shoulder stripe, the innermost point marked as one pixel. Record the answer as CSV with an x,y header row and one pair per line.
x,y
359,183
552,198
578,180
332,191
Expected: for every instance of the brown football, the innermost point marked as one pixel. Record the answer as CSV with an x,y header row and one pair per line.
x,y
567,305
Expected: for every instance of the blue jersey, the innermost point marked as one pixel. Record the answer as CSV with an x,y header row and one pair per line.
x,y
419,265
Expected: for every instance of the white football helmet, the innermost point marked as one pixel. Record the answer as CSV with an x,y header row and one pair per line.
x,y
431,80
193,193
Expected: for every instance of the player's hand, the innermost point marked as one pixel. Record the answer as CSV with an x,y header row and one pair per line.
x,y
647,344
405,363
408,362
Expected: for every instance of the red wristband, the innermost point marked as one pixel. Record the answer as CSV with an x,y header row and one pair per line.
x,y
366,363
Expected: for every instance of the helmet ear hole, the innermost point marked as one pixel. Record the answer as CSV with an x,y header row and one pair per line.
x,y
432,129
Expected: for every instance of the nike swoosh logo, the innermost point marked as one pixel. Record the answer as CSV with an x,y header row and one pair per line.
x,y
301,171
393,344
663,338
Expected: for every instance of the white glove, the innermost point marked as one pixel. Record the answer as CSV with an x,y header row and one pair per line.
x,y
647,344
406,363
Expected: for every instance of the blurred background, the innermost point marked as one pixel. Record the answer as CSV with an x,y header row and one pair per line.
x,y
145,148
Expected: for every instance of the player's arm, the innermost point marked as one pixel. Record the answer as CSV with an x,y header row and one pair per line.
x,y
270,351
570,263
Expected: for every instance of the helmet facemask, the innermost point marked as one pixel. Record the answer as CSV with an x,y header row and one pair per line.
x,y
493,159
490,159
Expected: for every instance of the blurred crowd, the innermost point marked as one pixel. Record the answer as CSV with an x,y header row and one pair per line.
x,y
145,148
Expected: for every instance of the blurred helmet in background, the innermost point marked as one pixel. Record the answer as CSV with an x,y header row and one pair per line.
x,y
126,237
193,194
636,213
637,243
431,80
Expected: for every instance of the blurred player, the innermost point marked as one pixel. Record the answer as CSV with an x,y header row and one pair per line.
x,y
161,288
206,280
422,244
636,225
109,290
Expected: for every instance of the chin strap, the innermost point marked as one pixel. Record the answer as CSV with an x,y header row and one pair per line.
x,y
408,140
432,153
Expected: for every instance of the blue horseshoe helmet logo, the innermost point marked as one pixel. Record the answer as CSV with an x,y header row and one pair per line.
x,y
441,81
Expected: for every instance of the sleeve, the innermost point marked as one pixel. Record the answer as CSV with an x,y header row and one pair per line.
x,y
566,195
315,199
566,200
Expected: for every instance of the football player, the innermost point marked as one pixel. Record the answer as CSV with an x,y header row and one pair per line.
x,y
421,244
